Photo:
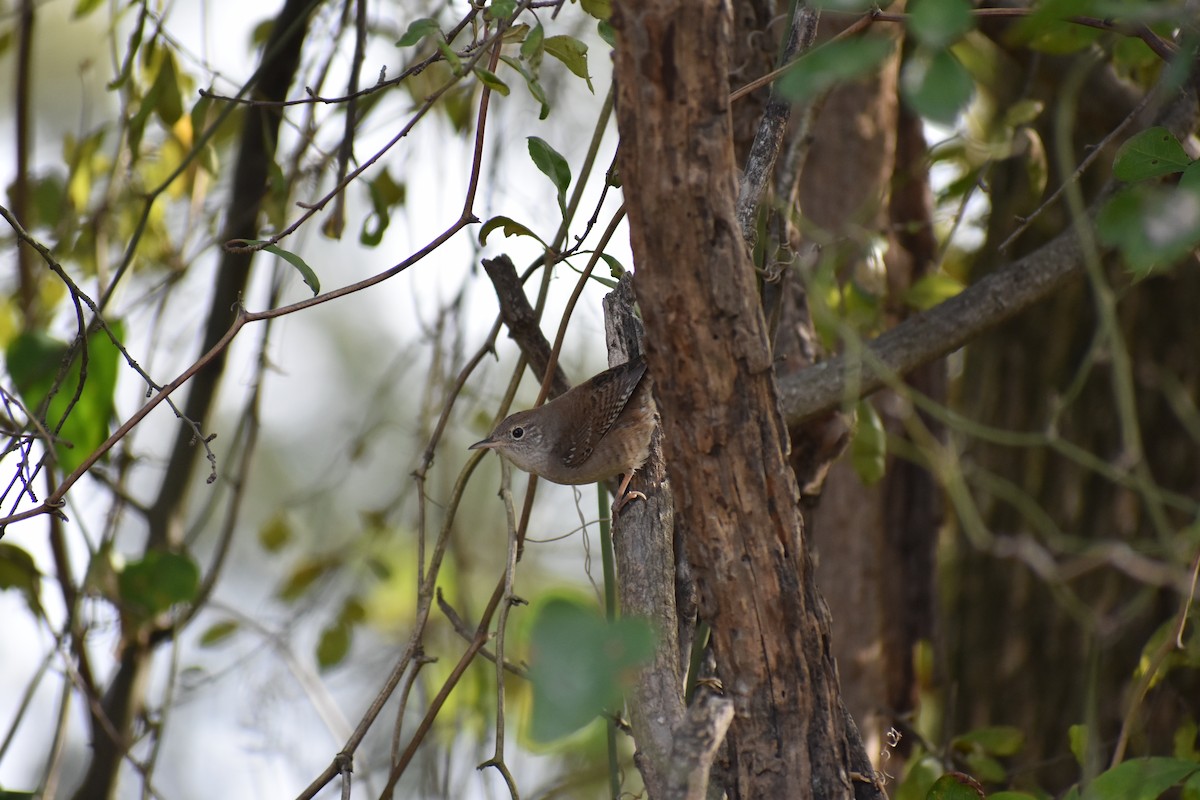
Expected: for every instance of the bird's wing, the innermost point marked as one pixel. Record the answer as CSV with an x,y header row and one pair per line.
x,y
609,392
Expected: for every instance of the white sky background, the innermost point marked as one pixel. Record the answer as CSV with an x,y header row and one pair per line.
x,y
259,730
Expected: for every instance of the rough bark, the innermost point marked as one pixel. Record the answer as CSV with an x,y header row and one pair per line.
x,y
843,197
644,546
724,436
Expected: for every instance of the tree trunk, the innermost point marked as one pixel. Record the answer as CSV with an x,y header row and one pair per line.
x,y
723,434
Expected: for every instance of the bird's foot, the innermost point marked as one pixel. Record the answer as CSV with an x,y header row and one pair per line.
x,y
624,499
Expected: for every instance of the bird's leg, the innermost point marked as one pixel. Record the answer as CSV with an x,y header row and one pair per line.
x,y
624,495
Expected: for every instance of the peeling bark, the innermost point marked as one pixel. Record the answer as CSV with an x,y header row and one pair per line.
x,y
724,436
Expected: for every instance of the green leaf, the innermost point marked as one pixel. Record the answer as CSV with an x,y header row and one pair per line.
x,y
1077,737
615,267
157,581
1047,30
919,778
1191,788
936,86
352,612
218,632
261,32
996,740
531,81
1153,226
275,534
49,194
831,64
1130,54
385,195
169,102
509,227
1011,796
306,272
502,9
85,7
1023,112
605,31
333,646
552,165
85,161
19,571
1141,779
573,54
955,786
199,115
418,30
302,578
579,664
491,80
932,289
600,9
1150,154
451,57
985,768
515,33
34,361
1185,741
532,48
137,123
868,451
939,23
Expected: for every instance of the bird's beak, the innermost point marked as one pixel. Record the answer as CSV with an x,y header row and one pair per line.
x,y
485,444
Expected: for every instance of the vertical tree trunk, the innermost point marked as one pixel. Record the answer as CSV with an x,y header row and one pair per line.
x,y
724,438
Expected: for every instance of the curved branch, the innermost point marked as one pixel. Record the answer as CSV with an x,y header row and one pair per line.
x,y
932,334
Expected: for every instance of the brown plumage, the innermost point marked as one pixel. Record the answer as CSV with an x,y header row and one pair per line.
x,y
597,430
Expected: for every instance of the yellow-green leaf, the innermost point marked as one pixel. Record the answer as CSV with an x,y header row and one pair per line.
x,y
572,53
507,226
274,535
491,80
600,9
868,451
930,290
1150,154
159,580
418,30
333,646
306,272
218,632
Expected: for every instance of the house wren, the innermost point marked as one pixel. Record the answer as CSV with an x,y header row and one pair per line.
x,y
597,430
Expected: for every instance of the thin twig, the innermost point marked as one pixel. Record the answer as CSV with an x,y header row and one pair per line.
x,y
510,565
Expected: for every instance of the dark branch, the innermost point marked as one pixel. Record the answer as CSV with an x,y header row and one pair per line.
x,y
522,320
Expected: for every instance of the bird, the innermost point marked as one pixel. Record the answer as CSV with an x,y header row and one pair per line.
x,y
594,431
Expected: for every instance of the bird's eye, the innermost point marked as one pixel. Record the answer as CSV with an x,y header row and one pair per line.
x,y
518,432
